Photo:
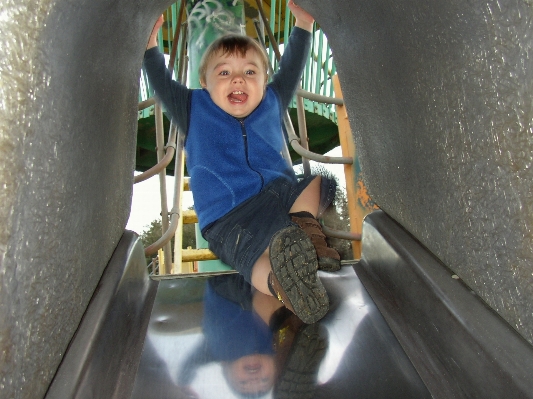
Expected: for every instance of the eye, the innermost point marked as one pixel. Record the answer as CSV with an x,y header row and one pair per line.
x,y
250,72
224,73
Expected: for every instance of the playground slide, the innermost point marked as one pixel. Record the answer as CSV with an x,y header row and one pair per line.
x,y
213,337
420,333
203,341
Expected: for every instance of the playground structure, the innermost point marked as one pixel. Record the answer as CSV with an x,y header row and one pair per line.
x,y
439,101
312,113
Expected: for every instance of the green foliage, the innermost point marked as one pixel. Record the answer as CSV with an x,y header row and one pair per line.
x,y
336,217
154,230
189,236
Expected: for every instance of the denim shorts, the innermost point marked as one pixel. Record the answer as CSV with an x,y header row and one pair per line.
x,y
241,236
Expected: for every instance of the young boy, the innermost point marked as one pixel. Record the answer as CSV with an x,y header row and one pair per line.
x,y
249,203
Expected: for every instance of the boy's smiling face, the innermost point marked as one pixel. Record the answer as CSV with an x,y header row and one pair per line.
x,y
235,83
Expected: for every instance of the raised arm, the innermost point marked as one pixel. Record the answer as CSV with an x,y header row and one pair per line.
x,y
295,56
173,95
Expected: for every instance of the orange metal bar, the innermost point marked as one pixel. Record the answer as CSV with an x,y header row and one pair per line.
x,y
359,202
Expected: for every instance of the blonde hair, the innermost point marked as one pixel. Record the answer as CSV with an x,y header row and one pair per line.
x,y
232,44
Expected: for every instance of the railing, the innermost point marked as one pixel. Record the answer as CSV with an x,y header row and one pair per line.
x,y
319,68
299,144
317,76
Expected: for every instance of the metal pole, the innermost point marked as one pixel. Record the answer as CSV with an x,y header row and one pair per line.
x,y
160,140
302,129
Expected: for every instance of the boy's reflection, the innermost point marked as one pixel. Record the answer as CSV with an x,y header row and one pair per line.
x,y
259,343
238,337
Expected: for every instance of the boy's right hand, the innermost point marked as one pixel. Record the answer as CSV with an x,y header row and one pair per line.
x,y
152,41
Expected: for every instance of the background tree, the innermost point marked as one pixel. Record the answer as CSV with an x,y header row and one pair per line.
x,y
154,230
336,216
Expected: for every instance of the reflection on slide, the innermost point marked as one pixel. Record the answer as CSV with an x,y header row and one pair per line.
x,y
218,338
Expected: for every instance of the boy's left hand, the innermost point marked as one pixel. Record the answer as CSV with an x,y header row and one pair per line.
x,y
304,20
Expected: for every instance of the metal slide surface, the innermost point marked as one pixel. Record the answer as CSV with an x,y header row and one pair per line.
x,y
212,337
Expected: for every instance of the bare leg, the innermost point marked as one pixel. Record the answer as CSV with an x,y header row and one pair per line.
x,y
265,305
292,271
260,272
309,199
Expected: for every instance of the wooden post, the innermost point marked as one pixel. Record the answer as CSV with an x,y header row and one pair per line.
x,y
359,203
161,257
178,237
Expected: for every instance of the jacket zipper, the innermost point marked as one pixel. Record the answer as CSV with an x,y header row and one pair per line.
x,y
245,139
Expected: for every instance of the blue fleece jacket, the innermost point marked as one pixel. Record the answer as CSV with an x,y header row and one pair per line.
x,y
231,160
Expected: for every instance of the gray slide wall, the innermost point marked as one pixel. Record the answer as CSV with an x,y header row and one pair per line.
x,y
439,97
68,122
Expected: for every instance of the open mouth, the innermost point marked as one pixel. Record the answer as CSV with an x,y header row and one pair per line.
x,y
237,96
253,368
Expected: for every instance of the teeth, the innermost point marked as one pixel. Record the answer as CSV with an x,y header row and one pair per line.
x,y
238,92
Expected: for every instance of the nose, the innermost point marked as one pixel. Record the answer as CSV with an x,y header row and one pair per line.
x,y
238,78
